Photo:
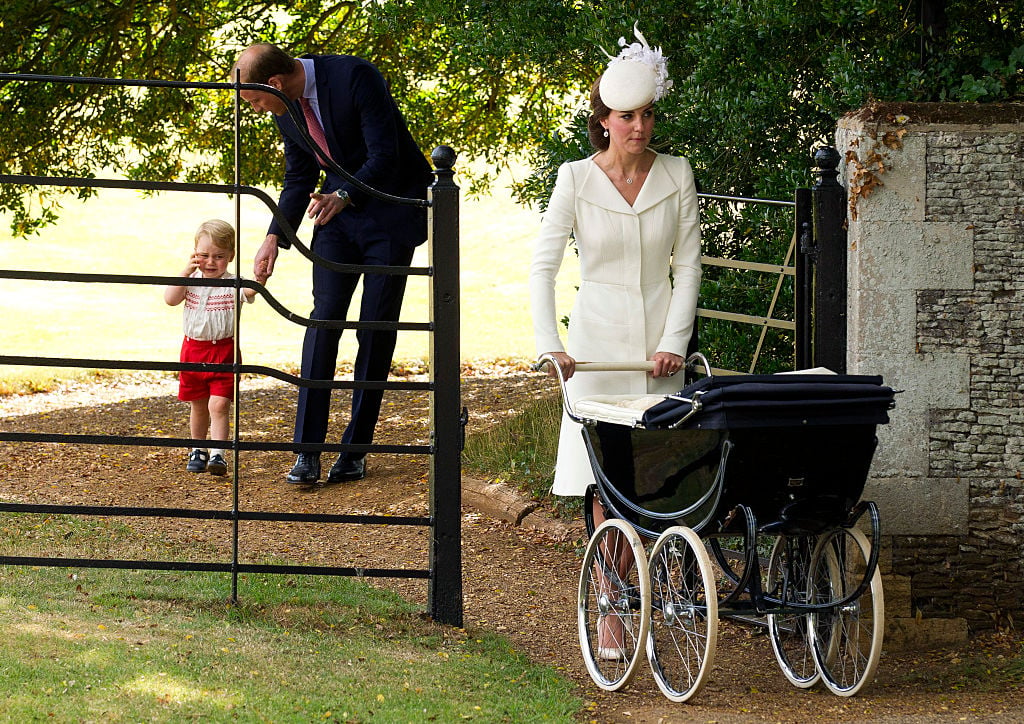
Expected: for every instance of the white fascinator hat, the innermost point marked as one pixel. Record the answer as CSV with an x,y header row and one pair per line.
x,y
635,77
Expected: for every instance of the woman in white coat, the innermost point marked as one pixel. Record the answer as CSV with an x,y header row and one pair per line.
x,y
634,216
633,213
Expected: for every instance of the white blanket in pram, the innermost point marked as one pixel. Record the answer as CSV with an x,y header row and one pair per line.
x,y
629,409
616,409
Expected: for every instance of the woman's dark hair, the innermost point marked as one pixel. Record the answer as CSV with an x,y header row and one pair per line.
x,y
268,60
599,111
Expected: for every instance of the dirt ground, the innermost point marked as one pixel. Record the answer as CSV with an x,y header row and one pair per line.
x,y
518,582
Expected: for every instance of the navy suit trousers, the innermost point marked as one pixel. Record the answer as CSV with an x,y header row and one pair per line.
x,y
350,242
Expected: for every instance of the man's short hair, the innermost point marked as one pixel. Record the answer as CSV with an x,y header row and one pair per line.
x,y
267,60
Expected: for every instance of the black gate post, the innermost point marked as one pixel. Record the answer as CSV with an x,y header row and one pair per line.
x,y
829,224
444,597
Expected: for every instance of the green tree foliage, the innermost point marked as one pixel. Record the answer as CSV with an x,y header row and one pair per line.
x,y
758,85
459,81
758,82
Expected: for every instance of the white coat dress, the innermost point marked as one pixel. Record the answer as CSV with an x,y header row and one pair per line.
x,y
639,279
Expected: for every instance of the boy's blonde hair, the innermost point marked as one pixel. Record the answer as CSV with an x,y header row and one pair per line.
x,y
221,233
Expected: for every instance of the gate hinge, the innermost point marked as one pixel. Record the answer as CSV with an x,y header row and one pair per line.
x,y
463,421
807,246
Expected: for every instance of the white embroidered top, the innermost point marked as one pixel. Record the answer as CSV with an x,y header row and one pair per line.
x,y
210,311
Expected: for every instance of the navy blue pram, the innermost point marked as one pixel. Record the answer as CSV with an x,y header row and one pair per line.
x,y
738,496
794,448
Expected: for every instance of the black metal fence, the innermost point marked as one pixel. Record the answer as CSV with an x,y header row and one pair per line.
x,y
447,419
806,299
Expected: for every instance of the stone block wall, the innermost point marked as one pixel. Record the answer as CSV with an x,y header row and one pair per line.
x,y
936,305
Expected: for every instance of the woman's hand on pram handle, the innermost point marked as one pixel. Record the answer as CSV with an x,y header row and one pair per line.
x,y
662,364
666,364
565,363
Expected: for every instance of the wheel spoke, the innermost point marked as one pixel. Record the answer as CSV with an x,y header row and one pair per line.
x,y
613,609
788,581
684,619
846,635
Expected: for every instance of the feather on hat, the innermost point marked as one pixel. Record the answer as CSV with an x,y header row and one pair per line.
x,y
635,77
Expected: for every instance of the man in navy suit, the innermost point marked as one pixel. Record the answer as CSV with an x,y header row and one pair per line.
x,y
347,107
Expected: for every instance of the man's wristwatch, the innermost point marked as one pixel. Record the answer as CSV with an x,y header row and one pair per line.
x,y
343,195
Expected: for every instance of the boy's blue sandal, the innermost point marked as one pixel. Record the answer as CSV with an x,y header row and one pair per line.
x,y
197,461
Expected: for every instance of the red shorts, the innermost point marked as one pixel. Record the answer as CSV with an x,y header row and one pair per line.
x,y
200,385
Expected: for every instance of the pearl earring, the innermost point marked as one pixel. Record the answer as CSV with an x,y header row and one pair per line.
x,y
606,133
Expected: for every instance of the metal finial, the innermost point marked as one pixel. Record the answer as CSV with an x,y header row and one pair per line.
x,y
443,157
826,159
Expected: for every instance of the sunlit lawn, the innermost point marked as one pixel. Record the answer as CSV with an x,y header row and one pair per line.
x,y
93,645
122,232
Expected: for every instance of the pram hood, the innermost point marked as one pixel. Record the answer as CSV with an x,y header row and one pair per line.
x,y
744,401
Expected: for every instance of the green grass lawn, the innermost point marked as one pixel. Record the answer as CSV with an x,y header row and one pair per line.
x,y
123,232
96,645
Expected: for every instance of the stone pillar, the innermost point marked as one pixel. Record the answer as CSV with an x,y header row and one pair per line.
x,y
936,306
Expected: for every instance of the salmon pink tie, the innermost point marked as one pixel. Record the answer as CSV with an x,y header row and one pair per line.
x,y
316,131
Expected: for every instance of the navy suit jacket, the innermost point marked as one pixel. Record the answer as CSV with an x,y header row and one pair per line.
x,y
367,136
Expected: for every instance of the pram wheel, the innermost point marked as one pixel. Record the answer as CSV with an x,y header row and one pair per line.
x,y
788,580
613,607
846,638
684,617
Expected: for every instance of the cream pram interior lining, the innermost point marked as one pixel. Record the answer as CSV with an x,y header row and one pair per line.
x,y
616,409
629,409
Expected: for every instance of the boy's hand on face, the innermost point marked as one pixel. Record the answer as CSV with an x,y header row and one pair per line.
x,y
193,264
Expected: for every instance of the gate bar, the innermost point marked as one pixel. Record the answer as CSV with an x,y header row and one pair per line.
x,y
447,423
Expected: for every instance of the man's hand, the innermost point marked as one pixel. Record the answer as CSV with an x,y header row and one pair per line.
x,y
260,271
263,262
324,207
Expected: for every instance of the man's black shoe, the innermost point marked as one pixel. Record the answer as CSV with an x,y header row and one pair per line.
x,y
306,469
346,469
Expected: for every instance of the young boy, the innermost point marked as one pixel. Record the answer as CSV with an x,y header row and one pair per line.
x,y
209,326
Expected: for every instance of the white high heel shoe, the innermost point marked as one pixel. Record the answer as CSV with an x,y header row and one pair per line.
x,y
610,653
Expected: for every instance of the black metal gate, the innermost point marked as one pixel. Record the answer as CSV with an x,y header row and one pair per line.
x,y
821,268
815,259
444,569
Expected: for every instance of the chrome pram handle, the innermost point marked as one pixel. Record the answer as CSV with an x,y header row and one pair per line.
x,y
548,358
694,358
